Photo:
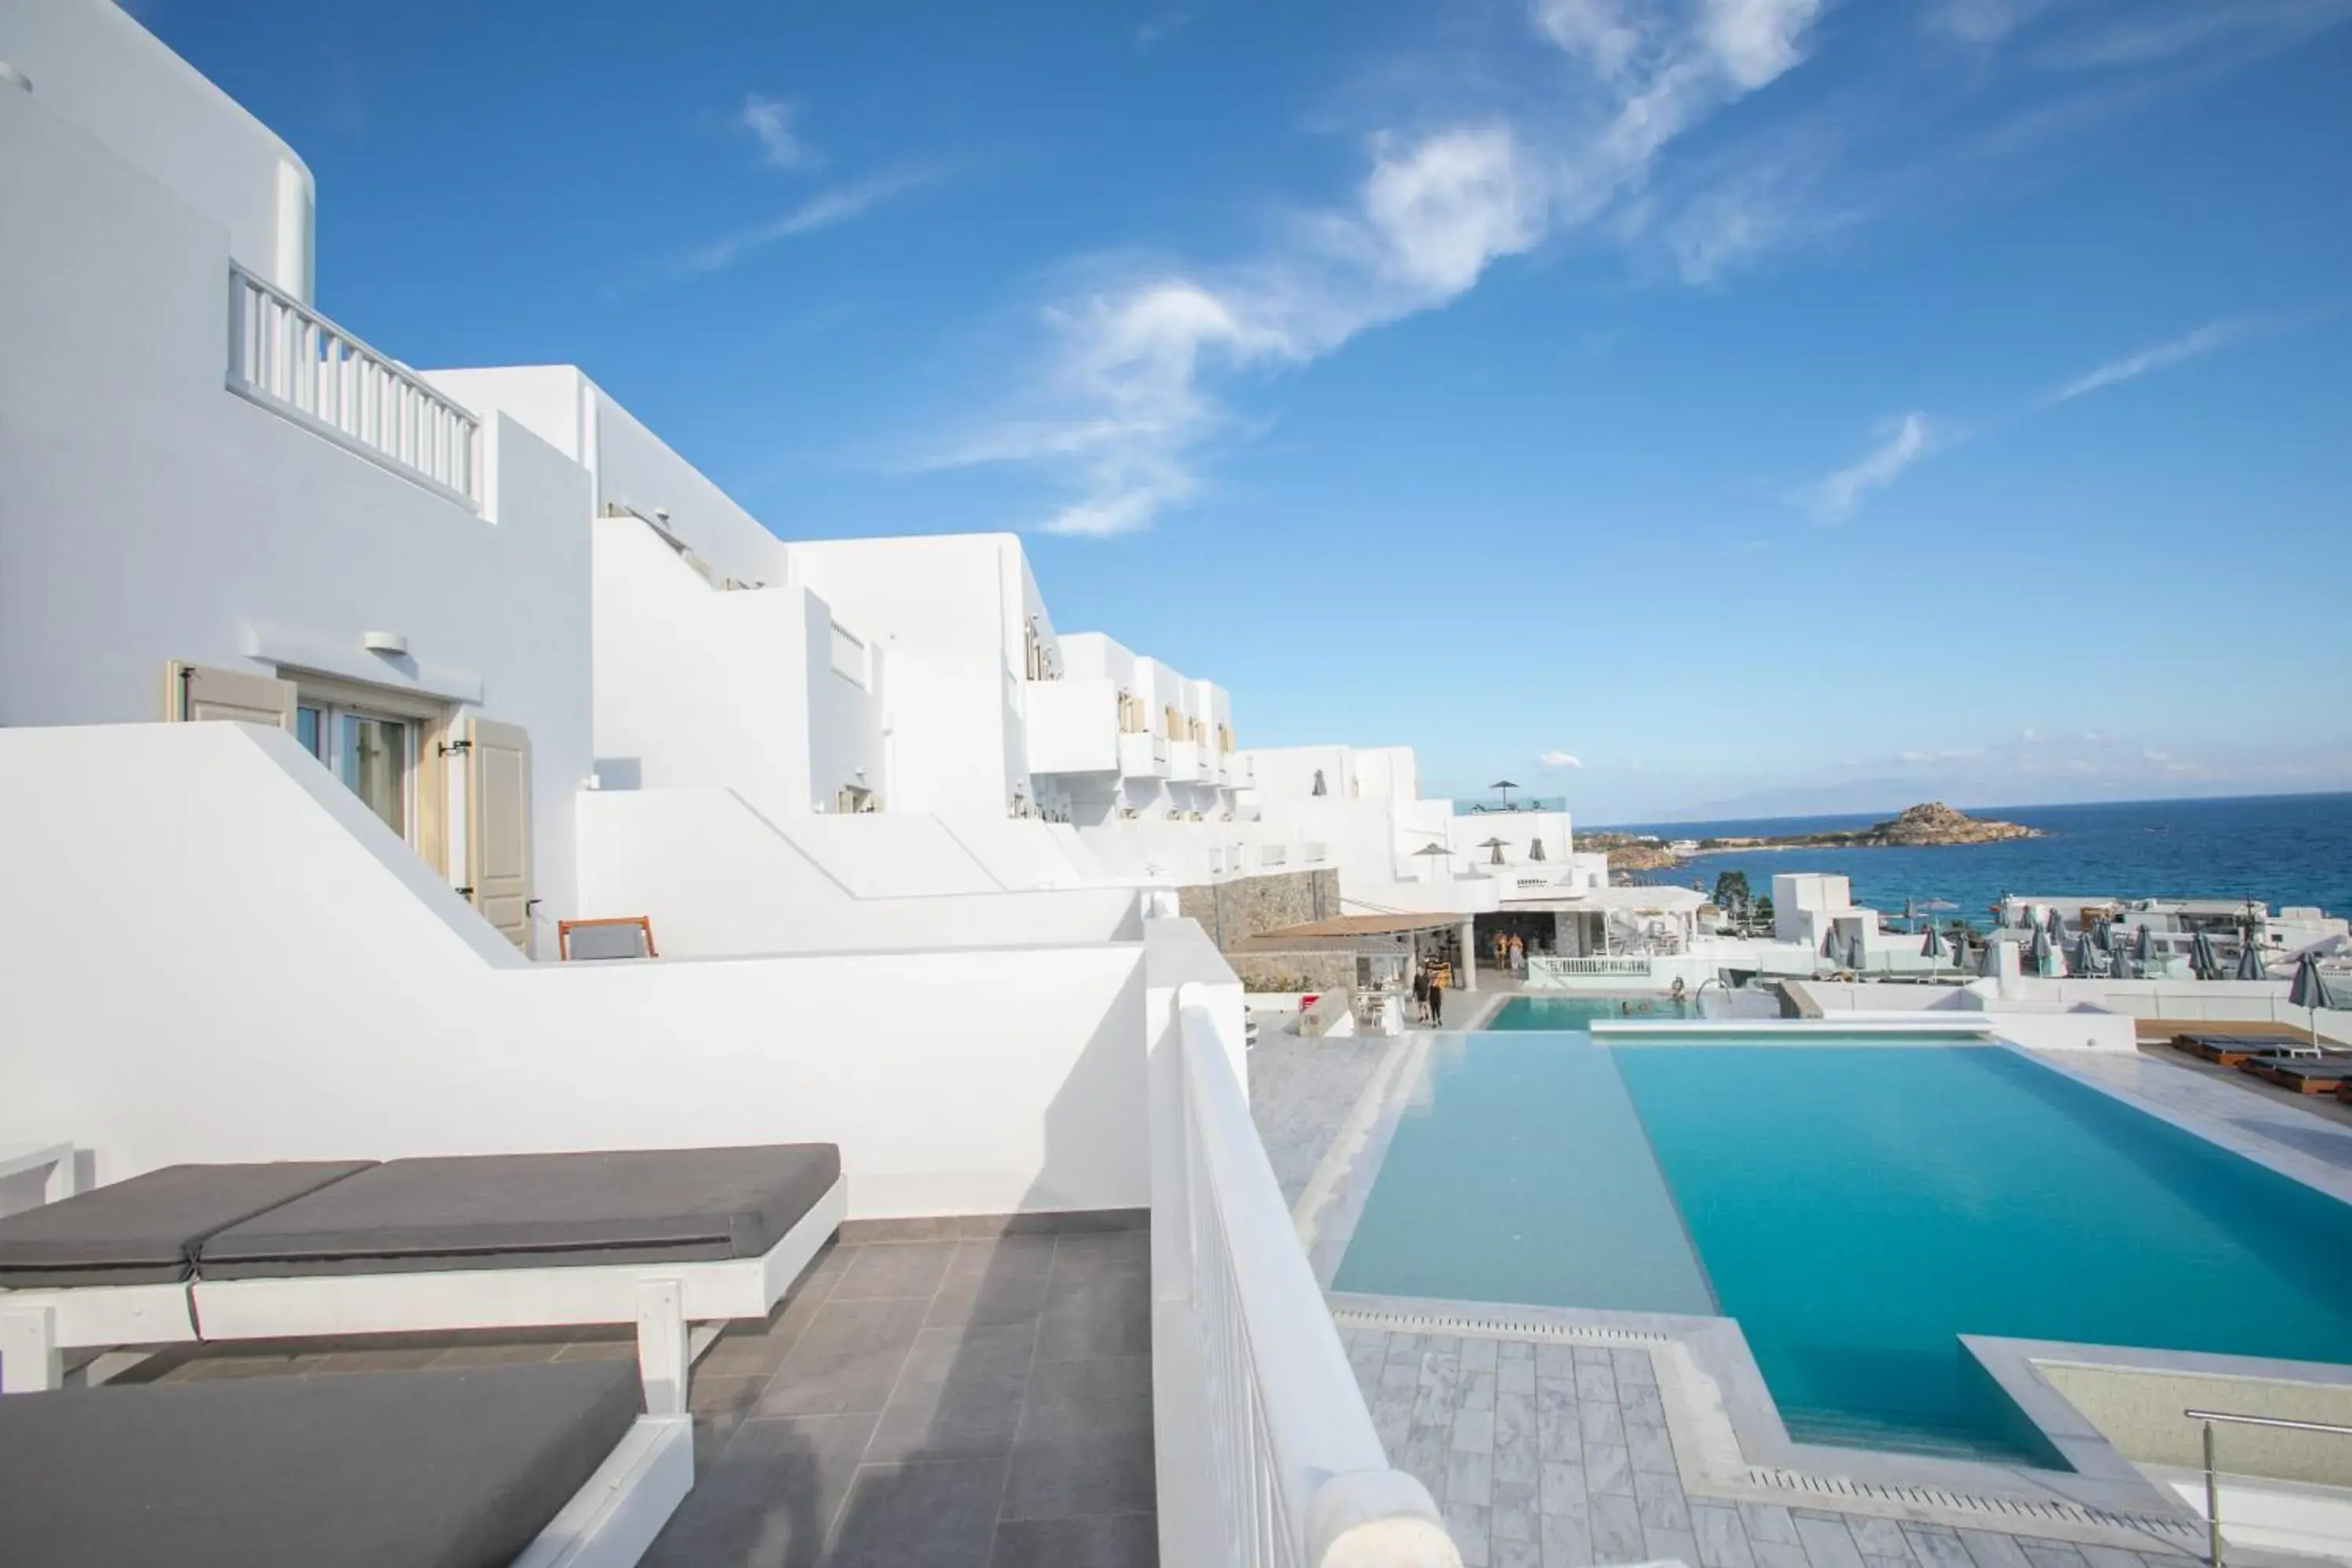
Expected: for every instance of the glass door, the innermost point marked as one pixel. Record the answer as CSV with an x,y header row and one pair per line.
x,y
373,753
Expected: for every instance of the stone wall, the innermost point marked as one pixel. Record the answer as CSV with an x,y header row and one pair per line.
x,y
1245,906
1321,970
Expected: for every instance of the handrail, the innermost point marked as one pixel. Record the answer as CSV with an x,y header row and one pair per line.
x,y
1301,1478
2212,1481
290,359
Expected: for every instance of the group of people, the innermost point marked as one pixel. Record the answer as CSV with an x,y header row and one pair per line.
x,y
1428,995
1510,953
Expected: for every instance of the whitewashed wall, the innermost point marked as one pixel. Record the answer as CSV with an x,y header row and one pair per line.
x,y
149,515
699,685
631,466
100,71
305,990
716,879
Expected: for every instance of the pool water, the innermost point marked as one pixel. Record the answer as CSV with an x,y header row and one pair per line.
x,y
1555,1013
1856,1207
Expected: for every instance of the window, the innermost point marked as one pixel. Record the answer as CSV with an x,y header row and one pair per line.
x,y
375,753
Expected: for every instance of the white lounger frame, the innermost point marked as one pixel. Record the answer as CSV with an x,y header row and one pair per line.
x,y
36,1326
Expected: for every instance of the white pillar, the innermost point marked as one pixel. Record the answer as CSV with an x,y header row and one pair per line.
x,y
1469,955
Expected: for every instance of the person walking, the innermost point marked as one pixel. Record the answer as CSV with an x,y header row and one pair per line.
x,y
1421,994
1437,1001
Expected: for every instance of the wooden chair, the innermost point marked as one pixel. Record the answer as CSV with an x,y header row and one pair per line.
x,y
620,936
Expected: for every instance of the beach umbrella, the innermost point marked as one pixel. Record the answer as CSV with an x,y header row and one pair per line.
x,y
2204,962
2249,961
2053,924
1989,960
1440,850
2086,955
1535,850
2105,932
1832,949
2309,990
1507,786
2143,945
1494,851
1933,950
2048,961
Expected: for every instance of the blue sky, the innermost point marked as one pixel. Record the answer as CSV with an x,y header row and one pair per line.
x,y
1701,405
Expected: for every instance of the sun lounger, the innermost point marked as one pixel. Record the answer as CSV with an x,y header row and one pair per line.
x,y
2302,1074
2232,1050
532,1465
467,1242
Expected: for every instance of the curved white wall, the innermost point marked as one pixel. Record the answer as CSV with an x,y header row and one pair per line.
x,y
114,81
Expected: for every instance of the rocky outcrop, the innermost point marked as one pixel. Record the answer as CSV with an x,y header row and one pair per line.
x,y
1936,823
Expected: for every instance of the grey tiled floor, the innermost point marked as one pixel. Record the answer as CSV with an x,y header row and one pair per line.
x,y
953,1402
934,1403
1546,1455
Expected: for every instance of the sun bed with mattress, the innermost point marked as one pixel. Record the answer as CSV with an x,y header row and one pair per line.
x,y
2303,1074
540,1466
2231,1050
235,1252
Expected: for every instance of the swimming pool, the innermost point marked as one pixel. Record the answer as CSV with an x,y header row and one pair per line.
x,y
1555,1013
1856,1206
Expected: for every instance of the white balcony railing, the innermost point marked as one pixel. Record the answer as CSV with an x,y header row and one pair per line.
x,y
1314,854
1270,856
1623,968
294,361
1297,1476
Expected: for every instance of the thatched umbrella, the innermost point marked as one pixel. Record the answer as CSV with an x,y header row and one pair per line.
x,y
1493,846
1507,786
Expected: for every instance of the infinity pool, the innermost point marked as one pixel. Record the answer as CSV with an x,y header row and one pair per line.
x,y
1856,1206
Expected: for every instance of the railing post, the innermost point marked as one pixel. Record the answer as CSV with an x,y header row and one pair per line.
x,y
1376,1518
2213,1502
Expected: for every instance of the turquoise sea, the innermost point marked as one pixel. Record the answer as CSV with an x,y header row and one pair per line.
x,y
2278,849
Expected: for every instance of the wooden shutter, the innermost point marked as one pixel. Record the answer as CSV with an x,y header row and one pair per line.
x,y
498,825
196,692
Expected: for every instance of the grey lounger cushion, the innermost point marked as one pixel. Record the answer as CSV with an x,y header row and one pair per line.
x,y
516,1211
407,1470
145,1231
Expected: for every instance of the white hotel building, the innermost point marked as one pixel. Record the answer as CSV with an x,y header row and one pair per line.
x,y
501,659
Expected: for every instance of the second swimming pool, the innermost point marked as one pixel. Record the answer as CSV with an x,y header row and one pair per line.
x,y
1857,1207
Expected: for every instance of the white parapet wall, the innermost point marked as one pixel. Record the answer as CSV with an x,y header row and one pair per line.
x,y
211,951
715,877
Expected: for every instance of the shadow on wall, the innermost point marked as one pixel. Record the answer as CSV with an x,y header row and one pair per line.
x,y
936,1391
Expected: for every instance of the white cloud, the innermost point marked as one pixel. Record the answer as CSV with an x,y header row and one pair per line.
x,y
770,123
1903,441
1982,22
2204,340
1558,759
2153,31
1127,403
823,210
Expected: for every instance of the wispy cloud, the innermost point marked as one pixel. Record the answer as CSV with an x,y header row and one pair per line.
x,y
2188,346
1129,399
1980,22
2155,31
1903,441
1161,25
1558,759
826,209
771,122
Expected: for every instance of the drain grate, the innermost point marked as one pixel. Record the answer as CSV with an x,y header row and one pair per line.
x,y
1493,1327
2049,1511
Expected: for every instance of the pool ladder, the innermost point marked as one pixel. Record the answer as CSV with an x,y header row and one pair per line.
x,y
2212,1481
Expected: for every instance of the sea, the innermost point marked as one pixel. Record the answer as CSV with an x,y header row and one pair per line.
x,y
2275,849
